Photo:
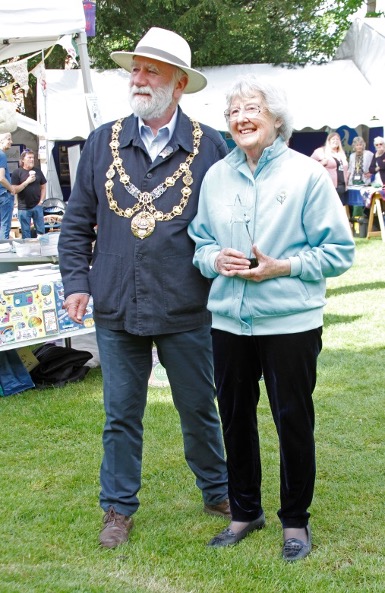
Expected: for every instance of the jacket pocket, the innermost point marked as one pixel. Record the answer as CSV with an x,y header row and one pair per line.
x,y
185,290
106,282
284,296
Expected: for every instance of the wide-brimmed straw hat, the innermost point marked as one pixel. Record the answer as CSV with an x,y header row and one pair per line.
x,y
165,46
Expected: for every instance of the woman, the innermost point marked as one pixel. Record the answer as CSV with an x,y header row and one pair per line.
x,y
359,163
268,202
332,156
377,167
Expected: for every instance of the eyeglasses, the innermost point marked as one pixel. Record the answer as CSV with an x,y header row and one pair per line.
x,y
379,144
249,111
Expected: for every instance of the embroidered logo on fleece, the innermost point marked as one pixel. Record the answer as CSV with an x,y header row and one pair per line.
x,y
281,197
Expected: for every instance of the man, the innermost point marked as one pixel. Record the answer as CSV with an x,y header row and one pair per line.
x,y
29,184
138,180
7,198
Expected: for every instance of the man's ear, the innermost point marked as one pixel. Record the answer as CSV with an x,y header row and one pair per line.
x,y
180,86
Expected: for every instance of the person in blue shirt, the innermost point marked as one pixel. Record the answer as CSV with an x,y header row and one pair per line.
x,y
138,182
7,198
270,229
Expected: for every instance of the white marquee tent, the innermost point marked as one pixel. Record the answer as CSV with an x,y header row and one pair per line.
x,y
349,90
27,27
342,92
364,44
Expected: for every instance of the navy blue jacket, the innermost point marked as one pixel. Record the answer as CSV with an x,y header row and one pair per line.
x,y
145,286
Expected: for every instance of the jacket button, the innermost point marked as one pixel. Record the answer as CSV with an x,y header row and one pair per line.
x,y
149,175
133,299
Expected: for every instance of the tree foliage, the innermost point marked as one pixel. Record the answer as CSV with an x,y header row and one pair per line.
x,y
224,32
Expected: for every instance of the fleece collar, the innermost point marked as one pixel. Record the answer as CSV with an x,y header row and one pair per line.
x,y
237,158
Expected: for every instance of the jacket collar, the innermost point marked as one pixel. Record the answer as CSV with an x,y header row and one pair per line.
x,y
237,158
182,136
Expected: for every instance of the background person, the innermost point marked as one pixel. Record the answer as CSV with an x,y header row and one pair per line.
x,y
30,186
138,180
377,166
267,319
332,156
359,163
7,198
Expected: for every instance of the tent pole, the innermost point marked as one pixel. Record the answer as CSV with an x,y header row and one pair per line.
x,y
81,40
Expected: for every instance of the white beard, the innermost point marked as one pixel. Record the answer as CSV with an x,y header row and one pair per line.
x,y
153,107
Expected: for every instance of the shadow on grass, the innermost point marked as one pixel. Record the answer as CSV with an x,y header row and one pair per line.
x,y
330,319
354,288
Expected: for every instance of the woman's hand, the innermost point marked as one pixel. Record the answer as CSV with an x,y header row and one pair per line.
x,y
267,268
230,262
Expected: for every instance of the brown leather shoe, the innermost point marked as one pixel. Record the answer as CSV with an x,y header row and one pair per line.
x,y
116,529
222,509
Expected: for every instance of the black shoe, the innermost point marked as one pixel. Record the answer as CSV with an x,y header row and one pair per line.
x,y
227,537
295,549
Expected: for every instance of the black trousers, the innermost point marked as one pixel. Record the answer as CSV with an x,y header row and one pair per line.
x,y
288,363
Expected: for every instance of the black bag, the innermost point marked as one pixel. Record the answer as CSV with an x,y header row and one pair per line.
x,y
59,365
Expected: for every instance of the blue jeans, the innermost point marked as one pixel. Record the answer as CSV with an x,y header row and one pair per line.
x,y
25,217
288,363
14,377
126,362
6,208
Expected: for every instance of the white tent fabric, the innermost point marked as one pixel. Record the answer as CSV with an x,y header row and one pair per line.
x,y
26,26
332,94
365,45
346,91
65,106
29,124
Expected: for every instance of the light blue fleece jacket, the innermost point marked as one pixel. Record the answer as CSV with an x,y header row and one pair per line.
x,y
293,211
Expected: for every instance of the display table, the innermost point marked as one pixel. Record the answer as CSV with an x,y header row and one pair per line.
x,y
354,195
376,207
10,261
52,338
31,309
374,201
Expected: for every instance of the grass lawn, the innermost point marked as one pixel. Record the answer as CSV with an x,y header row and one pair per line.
x,y
51,450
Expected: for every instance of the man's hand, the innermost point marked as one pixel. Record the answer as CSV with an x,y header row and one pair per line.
x,y
76,305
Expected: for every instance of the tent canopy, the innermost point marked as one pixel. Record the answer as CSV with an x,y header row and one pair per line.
x,y
65,107
27,27
346,91
332,94
29,124
364,44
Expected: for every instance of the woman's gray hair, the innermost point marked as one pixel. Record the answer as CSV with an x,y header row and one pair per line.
x,y
378,139
273,95
358,140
